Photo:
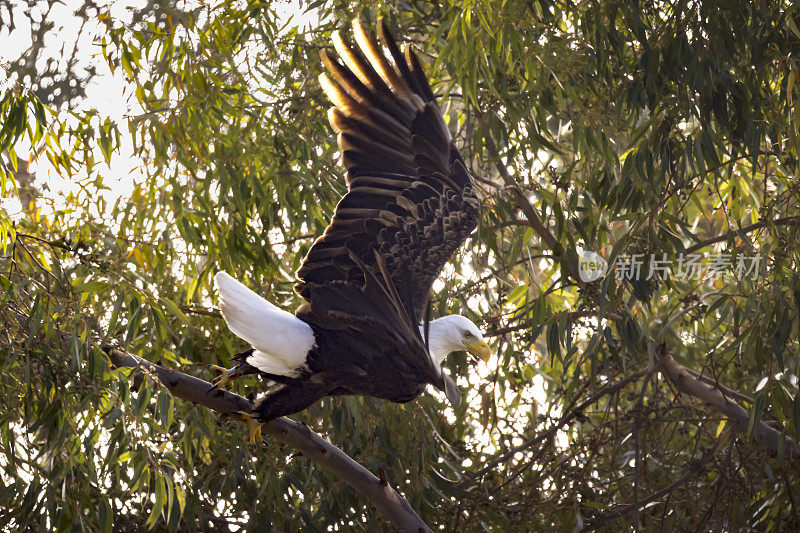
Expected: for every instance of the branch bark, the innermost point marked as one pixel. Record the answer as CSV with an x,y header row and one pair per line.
x,y
390,503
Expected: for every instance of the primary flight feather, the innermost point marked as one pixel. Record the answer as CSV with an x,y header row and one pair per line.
x,y
367,279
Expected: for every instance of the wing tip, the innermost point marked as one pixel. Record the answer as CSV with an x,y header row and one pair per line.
x,y
357,26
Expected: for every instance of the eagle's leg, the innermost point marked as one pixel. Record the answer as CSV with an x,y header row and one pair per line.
x,y
253,427
284,401
287,400
226,376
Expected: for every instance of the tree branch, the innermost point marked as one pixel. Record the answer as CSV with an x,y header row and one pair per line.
x,y
529,211
390,503
676,373
736,414
785,221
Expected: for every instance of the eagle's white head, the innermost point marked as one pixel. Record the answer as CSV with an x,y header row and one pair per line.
x,y
452,333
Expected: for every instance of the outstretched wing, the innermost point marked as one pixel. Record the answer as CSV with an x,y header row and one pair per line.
x,y
410,196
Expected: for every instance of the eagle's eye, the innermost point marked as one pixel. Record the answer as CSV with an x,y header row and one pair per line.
x,y
468,335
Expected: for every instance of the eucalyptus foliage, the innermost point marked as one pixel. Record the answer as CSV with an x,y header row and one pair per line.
x,y
627,128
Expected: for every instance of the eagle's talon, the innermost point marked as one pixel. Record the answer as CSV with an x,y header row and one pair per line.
x,y
253,427
226,377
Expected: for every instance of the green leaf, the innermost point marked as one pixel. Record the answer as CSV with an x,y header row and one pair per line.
x,y
106,515
756,411
793,26
160,492
517,293
173,308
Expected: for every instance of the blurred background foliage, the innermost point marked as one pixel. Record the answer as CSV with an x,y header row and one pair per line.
x,y
626,127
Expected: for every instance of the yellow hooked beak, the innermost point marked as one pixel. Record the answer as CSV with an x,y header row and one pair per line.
x,y
479,349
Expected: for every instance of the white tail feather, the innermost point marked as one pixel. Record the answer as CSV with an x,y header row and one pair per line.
x,y
281,340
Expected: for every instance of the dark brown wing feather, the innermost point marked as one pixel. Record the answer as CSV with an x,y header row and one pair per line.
x,y
411,197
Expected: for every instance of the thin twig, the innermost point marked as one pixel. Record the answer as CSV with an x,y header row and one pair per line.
x,y
564,420
637,415
529,211
694,470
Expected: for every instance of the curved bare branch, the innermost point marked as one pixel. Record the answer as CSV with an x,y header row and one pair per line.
x,y
390,503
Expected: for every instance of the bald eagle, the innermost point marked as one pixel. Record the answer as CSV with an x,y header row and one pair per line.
x,y
363,328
